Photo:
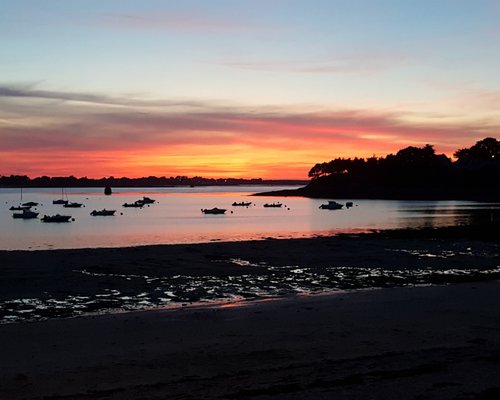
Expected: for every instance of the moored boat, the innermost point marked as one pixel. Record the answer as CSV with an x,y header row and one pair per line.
x,y
331,205
30,204
60,201
26,214
102,212
214,210
63,200
135,204
72,205
147,200
19,208
273,205
56,218
242,204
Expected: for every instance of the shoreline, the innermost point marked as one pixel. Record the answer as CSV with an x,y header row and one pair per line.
x,y
45,284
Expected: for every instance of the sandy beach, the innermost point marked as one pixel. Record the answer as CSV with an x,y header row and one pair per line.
x,y
415,341
438,342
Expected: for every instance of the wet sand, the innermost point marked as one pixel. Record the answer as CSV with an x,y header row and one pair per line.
x,y
437,342
425,342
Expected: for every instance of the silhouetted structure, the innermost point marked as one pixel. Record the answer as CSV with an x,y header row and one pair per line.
x,y
151,181
412,173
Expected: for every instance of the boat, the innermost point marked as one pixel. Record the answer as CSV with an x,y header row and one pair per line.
x,y
214,210
72,205
147,200
62,200
273,205
135,204
242,204
103,212
331,205
19,208
30,204
56,218
108,191
26,214
23,206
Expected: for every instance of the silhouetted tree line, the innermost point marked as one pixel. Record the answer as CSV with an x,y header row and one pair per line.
x,y
411,173
150,181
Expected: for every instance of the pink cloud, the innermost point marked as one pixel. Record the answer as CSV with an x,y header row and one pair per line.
x,y
109,137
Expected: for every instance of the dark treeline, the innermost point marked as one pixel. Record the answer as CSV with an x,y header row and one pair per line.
x,y
411,173
151,181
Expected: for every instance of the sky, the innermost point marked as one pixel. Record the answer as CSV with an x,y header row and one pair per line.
x,y
248,88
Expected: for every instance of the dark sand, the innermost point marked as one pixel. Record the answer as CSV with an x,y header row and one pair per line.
x,y
438,342
433,342
30,273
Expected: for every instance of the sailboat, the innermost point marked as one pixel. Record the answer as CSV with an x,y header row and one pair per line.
x,y
26,214
23,206
61,200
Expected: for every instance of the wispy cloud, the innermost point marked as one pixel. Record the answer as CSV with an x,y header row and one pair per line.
x,y
359,63
29,91
467,94
178,21
31,124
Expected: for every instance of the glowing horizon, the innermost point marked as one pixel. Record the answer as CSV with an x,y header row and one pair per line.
x,y
236,90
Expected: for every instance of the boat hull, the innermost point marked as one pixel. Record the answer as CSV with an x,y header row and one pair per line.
x,y
213,210
56,218
103,213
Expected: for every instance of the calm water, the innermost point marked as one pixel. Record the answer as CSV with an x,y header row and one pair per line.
x,y
177,217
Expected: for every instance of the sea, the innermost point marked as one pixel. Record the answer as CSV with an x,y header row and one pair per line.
x,y
176,216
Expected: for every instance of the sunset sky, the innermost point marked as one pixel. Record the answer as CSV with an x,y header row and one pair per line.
x,y
227,88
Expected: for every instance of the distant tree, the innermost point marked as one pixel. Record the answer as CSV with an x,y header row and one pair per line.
x,y
485,153
338,166
412,155
318,170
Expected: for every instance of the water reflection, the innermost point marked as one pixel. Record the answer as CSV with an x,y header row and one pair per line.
x,y
176,217
437,215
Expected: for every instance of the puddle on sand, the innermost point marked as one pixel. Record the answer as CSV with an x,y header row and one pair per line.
x,y
264,281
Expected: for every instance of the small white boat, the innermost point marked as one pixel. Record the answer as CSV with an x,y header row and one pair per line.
x,y
103,212
26,214
214,210
331,205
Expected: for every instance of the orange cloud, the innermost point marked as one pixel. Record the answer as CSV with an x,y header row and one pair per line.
x,y
95,136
